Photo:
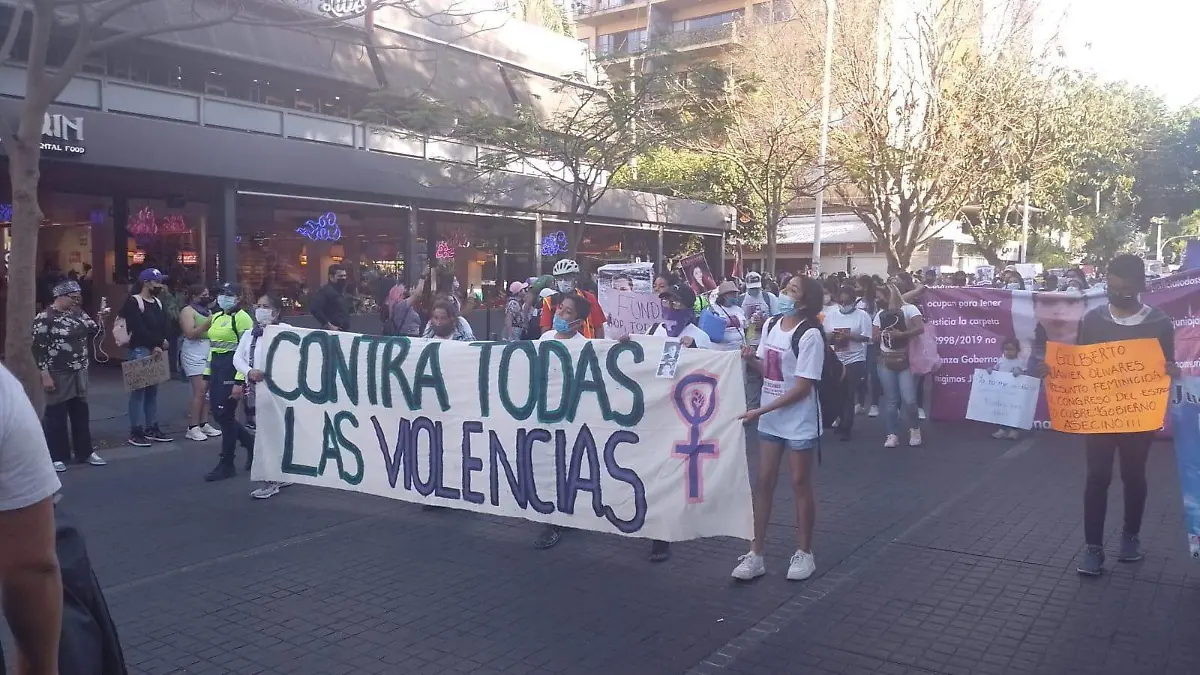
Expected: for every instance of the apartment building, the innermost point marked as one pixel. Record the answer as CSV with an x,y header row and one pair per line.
x,y
703,30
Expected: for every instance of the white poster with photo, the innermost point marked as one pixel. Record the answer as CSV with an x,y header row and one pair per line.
x,y
626,293
1003,399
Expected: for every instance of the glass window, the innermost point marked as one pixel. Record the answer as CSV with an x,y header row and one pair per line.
x,y
706,22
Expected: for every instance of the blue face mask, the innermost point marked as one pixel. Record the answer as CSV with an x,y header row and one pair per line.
x,y
226,302
561,325
785,304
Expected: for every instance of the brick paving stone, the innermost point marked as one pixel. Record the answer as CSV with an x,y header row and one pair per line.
x,y
952,558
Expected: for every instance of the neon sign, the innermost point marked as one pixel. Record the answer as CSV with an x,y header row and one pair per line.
x,y
444,251
5,213
324,228
144,224
555,243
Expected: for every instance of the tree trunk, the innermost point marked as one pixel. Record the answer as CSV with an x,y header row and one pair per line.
x,y
896,264
992,257
24,157
772,240
574,232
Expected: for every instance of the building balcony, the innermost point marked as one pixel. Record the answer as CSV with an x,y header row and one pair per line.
x,y
622,52
587,10
724,34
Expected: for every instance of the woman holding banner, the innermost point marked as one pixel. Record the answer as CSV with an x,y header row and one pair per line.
x,y
572,313
791,357
248,359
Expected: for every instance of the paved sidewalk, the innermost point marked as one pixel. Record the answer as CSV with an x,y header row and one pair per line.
x,y
957,557
109,405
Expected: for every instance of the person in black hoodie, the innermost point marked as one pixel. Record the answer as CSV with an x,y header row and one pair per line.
x,y
1123,318
328,305
147,324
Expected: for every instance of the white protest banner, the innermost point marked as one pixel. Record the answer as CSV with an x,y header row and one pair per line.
x,y
1003,398
580,434
625,292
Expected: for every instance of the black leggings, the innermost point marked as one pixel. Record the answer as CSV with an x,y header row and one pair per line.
x,y
1132,451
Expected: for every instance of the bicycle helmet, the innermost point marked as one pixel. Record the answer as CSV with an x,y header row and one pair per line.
x,y
565,266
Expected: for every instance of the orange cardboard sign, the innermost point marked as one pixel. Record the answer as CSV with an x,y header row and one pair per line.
x,y
1107,388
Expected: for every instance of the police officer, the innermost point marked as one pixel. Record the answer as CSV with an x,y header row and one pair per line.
x,y
225,383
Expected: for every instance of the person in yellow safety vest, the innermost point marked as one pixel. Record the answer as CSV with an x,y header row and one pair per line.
x,y
225,383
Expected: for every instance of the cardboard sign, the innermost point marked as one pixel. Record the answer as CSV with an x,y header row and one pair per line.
x,y
1107,388
1004,399
147,372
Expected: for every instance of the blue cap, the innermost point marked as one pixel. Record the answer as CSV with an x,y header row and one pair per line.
x,y
152,274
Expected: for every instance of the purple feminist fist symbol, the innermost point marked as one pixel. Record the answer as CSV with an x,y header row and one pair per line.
x,y
695,398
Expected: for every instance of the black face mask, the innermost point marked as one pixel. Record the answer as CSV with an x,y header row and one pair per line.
x,y
443,330
156,290
1126,301
339,284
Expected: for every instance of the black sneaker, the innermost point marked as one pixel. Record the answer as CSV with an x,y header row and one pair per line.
x,y
222,472
659,551
137,439
549,538
155,435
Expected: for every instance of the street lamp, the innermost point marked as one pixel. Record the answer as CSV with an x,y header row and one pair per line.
x,y
823,150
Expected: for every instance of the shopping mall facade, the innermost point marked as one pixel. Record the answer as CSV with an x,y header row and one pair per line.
x,y
234,153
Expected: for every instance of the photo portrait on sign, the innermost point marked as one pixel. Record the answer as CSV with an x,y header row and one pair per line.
x,y
697,274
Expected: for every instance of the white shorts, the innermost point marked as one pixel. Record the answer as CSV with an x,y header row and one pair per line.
x,y
193,357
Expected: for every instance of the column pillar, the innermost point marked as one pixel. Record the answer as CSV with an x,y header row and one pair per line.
x,y
412,268
660,263
120,232
502,265
537,244
228,268
714,252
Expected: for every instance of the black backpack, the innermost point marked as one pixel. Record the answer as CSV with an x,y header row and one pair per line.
x,y
832,372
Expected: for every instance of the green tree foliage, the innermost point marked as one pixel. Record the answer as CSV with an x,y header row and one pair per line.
x,y
548,14
695,175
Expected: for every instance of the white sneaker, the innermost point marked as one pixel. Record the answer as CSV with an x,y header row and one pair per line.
x,y
802,566
60,467
1000,433
195,434
893,441
750,566
1014,435
266,490
873,411
858,409
914,438
96,460
920,413
210,430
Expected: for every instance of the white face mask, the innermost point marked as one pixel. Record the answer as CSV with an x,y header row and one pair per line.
x,y
1013,287
264,316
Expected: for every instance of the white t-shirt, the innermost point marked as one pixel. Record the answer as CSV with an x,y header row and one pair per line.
x,y
763,302
854,323
1006,365
549,335
700,337
26,471
909,311
735,331
797,422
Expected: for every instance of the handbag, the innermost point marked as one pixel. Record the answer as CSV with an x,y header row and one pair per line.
x,y
896,361
713,325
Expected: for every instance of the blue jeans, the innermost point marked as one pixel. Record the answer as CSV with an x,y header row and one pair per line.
x,y
899,399
143,403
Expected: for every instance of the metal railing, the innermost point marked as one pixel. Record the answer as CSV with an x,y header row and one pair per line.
x,y
178,105
597,6
717,34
